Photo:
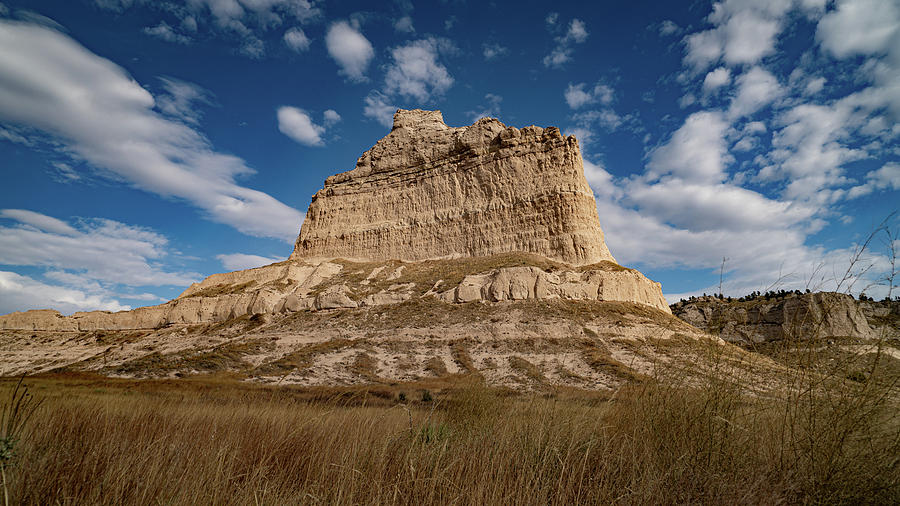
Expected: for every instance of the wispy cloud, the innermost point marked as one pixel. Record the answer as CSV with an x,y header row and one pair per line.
x,y
101,115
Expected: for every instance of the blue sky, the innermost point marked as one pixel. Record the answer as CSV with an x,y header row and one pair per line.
x,y
147,144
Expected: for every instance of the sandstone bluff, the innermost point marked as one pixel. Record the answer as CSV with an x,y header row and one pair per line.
x,y
446,251
426,191
430,191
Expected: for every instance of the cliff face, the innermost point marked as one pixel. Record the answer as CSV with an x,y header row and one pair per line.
x,y
485,213
429,191
807,316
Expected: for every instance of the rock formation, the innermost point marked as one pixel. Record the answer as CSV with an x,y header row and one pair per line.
x,y
807,316
429,191
507,213
294,285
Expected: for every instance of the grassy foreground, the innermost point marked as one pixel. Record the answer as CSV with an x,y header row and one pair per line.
x,y
218,441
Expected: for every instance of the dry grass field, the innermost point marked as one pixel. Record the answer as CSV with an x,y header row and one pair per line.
x,y
831,436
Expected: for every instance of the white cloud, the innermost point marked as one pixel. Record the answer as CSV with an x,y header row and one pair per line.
x,y
165,32
179,99
885,178
38,221
296,39
744,31
748,38
756,88
716,79
404,25
687,100
815,141
668,27
703,49
98,250
696,152
583,134
577,96
605,118
350,49
702,206
493,51
19,293
296,124
860,27
101,115
245,21
575,34
379,108
331,117
242,261
674,224
601,181
814,86
415,72
577,31
64,173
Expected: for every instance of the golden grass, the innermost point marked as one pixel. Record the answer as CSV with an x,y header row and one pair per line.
x,y
213,440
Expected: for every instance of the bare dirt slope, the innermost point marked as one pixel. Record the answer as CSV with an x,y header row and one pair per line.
x,y
523,344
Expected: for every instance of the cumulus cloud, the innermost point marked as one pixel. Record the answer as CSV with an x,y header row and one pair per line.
x,y
703,206
577,95
885,178
689,208
744,31
350,49
241,261
756,88
860,27
296,40
331,117
716,79
99,114
696,152
296,124
575,34
813,142
416,73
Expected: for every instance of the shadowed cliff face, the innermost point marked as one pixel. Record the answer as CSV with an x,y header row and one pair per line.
x,y
429,191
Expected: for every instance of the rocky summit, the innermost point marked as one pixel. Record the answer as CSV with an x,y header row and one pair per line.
x,y
470,250
429,191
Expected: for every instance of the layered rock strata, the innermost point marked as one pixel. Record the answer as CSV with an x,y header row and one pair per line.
x,y
429,191
807,316
299,286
